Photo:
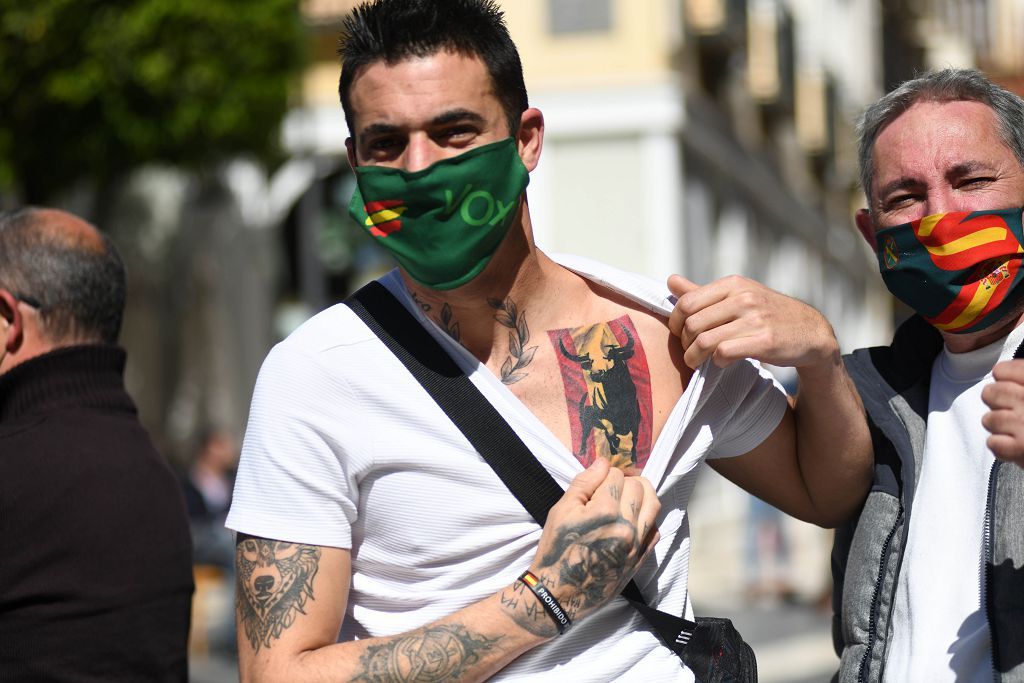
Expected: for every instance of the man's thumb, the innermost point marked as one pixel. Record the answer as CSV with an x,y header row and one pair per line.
x,y
679,285
584,484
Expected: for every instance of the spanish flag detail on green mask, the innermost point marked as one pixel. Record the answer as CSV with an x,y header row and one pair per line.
x,y
443,223
959,270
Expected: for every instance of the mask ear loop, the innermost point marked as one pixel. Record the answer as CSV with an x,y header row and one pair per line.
x,y
10,338
28,300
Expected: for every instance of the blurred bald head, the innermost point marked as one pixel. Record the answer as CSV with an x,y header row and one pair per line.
x,y
66,272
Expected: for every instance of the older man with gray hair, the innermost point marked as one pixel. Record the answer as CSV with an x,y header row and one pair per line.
x,y
929,579
95,556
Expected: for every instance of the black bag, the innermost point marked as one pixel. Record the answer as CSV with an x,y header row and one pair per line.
x,y
712,648
717,653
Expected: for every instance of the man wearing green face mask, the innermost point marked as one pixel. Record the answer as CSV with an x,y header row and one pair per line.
x,y
374,542
928,579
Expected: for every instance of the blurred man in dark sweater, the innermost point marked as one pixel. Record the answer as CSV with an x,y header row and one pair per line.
x,y
95,557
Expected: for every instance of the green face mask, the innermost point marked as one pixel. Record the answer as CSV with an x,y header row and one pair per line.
x,y
443,223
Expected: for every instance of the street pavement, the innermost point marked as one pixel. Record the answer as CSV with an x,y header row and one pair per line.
x,y
212,669
791,641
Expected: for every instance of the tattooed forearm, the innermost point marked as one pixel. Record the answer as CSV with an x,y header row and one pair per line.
x,y
519,356
274,581
434,653
525,609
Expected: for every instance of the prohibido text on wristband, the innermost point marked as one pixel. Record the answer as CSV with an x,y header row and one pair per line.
x,y
548,600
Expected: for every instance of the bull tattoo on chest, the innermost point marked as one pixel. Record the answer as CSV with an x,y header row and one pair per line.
x,y
607,390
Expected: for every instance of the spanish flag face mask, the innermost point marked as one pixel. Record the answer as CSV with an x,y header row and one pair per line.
x,y
960,270
443,223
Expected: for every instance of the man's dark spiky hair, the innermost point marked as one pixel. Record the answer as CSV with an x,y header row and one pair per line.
x,y
395,30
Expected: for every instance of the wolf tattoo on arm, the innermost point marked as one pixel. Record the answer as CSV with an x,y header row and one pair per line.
x,y
275,578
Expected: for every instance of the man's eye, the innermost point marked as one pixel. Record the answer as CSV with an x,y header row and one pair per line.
x,y
899,200
458,133
980,180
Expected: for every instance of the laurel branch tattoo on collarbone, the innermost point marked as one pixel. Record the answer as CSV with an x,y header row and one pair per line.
x,y
434,653
275,579
448,323
519,356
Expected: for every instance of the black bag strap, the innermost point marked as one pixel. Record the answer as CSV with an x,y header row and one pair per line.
x,y
487,431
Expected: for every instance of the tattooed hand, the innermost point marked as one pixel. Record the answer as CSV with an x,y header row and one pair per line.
x,y
595,538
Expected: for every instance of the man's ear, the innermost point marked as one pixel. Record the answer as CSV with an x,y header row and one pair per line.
x,y
530,137
866,227
350,150
11,322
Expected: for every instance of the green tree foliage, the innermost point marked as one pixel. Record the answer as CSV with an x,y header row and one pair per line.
x,y
94,88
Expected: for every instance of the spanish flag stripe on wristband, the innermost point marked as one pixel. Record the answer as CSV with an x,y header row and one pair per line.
x,y
562,620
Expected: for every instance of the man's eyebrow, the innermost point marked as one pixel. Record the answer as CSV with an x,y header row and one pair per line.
x,y
904,183
443,119
380,129
967,168
456,115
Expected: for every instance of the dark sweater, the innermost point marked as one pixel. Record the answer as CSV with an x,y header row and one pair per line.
x,y
95,556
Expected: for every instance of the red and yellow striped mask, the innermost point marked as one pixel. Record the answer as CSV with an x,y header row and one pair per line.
x,y
960,270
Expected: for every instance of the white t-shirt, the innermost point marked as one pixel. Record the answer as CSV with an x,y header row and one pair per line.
x,y
345,449
940,631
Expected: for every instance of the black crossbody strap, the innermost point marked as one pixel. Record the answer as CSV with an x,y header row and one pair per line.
x,y
484,427
453,391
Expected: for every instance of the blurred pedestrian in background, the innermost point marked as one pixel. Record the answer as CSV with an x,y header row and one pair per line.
x,y
95,557
766,554
207,483
928,581
766,543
